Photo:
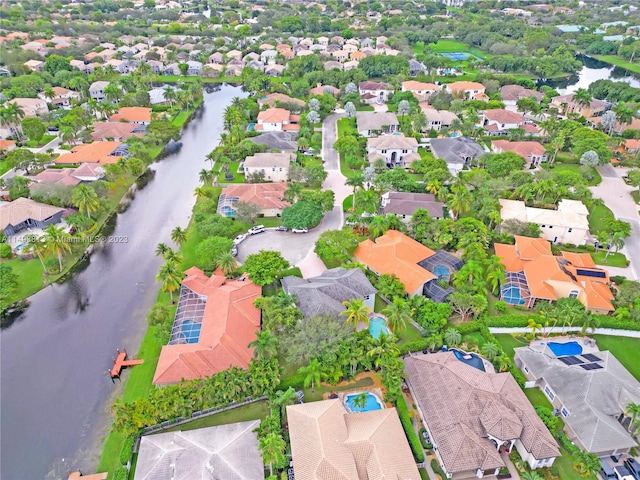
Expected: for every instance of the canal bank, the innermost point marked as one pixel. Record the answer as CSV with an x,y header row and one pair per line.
x,y
55,394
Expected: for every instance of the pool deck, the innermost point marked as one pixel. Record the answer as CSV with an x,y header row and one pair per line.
x,y
540,345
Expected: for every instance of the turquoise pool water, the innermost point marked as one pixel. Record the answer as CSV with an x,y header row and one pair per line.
x,y
191,331
372,403
512,296
378,326
564,349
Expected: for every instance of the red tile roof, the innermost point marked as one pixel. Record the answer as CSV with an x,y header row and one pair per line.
x,y
132,114
229,324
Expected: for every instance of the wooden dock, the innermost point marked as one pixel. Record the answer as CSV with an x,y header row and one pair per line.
x,y
121,362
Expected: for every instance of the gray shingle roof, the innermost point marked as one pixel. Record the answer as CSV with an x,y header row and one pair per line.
x,y
455,150
593,397
325,293
463,405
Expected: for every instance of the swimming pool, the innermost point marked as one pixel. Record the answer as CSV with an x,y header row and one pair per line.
x,y
378,326
371,402
512,296
191,331
472,359
564,349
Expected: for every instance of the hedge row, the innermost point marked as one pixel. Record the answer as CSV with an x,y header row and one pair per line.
x,y
436,468
412,436
127,450
519,321
121,474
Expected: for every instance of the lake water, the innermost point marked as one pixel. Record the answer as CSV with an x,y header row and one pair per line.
x,y
55,392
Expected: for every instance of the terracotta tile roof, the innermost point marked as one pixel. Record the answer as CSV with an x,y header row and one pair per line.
x,y
549,277
272,98
412,85
57,176
327,443
96,152
465,86
501,115
119,130
21,209
132,114
229,323
374,86
396,253
265,195
7,144
462,405
524,149
516,92
274,115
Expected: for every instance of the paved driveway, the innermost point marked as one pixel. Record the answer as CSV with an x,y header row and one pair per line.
x,y
616,195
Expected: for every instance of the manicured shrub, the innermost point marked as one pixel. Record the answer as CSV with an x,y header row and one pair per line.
x,y
416,346
501,306
127,450
468,327
436,468
5,250
412,436
121,474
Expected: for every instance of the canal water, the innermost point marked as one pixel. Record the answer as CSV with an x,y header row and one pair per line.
x,y
592,70
55,394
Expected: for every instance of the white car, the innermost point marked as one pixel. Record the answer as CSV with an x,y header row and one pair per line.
x,y
255,230
239,239
299,230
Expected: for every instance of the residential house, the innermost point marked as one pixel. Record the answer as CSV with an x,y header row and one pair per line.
x,y
277,119
350,65
274,70
112,131
276,140
195,68
96,152
416,266
631,145
590,392
96,90
499,121
230,450
31,107
566,104
268,196
327,441
405,204
325,293
532,152
217,58
277,99
213,326
120,66
156,66
568,224
534,274
331,65
372,123
381,91
171,69
135,115
7,146
458,152
421,90
472,414
619,127
395,150
320,89
274,166
468,90
62,97
437,119
512,93
67,177
415,67
234,55
23,213
268,56
34,65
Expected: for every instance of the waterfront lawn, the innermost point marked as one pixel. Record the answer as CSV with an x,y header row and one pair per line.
x,y
618,62
253,411
598,217
625,349
30,277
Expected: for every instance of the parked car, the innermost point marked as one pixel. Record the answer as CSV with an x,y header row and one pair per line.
x,y
256,229
234,251
623,474
239,239
633,466
299,230
282,228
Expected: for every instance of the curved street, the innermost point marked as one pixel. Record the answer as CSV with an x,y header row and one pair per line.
x,y
297,248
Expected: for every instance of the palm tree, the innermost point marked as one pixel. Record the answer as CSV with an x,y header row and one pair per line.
x,y
172,256
161,250
10,116
38,247
398,315
534,326
502,362
582,97
356,312
227,263
589,324
200,192
360,401
490,350
452,336
49,94
382,348
113,93
460,201
170,95
529,475
633,410
283,398
494,272
433,186
57,241
312,373
170,278
356,181
85,199
368,200
272,446
264,346
179,235
293,192
206,177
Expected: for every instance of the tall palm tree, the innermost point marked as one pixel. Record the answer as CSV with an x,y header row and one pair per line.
x,y
312,373
200,192
113,93
433,186
356,181
452,336
368,200
169,277
170,95
356,312
460,201
633,411
227,263
469,272
383,348
85,199
206,177
10,116
490,350
398,315
172,256
58,242
293,192
38,247
161,250
179,235
589,324
272,446
494,273
264,346
582,97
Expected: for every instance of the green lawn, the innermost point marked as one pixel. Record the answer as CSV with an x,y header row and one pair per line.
x,y
379,304
618,62
346,126
613,260
635,194
537,398
4,167
253,411
410,334
418,48
625,349
597,218
320,390
564,167
448,46
509,342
